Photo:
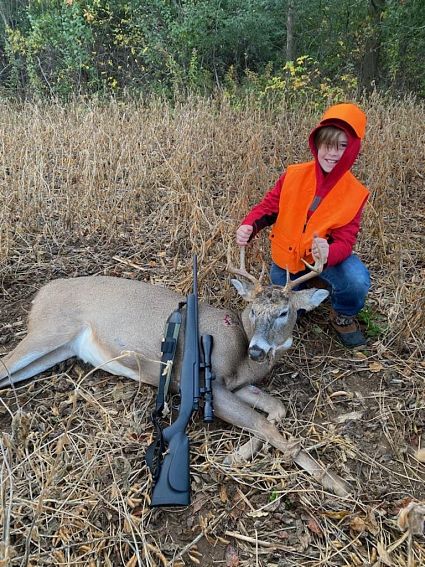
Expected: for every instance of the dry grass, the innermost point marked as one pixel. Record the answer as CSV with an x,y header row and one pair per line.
x,y
132,190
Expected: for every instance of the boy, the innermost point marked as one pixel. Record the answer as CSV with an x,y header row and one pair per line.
x,y
317,206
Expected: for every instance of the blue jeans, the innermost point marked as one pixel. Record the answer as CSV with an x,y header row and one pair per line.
x,y
348,281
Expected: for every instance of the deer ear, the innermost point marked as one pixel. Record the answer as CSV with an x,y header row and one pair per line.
x,y
245,290
308,299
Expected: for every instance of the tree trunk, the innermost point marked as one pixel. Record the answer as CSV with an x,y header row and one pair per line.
x,y
290,31
369,71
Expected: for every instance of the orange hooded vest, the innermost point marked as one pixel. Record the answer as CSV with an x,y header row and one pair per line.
x,y
292,234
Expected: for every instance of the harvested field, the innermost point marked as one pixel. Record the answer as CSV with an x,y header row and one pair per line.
x,y
132,190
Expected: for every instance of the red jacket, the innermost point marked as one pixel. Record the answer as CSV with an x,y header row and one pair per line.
x,y
341,239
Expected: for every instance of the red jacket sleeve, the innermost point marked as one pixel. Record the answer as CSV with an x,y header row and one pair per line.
x,y
344,238
265,212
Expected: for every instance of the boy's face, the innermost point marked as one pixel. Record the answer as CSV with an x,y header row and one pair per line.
x,y
329,156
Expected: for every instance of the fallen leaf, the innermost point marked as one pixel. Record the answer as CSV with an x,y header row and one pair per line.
x,y
314,527
257,514
198,504
375,367
337,514
223,494
231,557
358,524
365,524
360,356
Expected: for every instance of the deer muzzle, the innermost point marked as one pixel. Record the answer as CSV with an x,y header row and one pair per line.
x,y
256,353
258,348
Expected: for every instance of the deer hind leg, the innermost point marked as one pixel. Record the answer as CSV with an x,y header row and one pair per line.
x,y
263,401
34,354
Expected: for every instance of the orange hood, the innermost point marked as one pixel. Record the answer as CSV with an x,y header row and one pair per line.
x,y
348,113
352,120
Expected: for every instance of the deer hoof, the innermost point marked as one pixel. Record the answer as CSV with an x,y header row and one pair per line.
x,y
277,413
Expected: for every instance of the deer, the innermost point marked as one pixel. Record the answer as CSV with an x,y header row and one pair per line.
x,y
116,324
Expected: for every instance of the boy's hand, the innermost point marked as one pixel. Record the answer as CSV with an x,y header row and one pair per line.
x,y
320,249
243,233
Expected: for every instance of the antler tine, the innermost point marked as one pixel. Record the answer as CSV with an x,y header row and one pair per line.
x,y
242,271
242,258
315,271
242,264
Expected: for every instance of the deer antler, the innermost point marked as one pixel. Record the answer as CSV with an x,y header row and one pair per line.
x,y
315,271
242,271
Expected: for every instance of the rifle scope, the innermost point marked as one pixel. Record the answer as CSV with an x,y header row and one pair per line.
x,y
206,346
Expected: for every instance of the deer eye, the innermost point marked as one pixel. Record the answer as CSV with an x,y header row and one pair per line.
x,y
283,313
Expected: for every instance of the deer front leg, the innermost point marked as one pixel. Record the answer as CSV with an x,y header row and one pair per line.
x,y
233,410
257,399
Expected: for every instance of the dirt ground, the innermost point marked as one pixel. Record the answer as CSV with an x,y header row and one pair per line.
x,y
76,488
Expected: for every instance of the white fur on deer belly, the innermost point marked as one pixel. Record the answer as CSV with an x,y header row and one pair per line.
x,y
88,349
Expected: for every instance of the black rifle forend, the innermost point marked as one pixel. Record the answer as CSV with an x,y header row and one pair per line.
x,y
172,486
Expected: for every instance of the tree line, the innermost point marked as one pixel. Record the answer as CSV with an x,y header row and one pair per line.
x,y
60,48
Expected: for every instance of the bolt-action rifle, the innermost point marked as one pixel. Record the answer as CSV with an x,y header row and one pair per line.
x,y
168,456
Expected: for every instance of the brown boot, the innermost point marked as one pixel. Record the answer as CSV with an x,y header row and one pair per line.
x,y
348,330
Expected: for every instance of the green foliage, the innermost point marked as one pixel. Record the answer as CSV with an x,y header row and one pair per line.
x,y
239,33
333,33
295,80
373,321
130,46
404,41
274,495
51,47
66,47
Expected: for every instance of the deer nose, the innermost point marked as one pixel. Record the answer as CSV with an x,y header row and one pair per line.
x,y
256,353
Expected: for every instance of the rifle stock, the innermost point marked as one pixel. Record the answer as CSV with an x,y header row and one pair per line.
x,y
173,485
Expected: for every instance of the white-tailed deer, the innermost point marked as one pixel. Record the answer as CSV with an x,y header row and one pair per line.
x,y
117,324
